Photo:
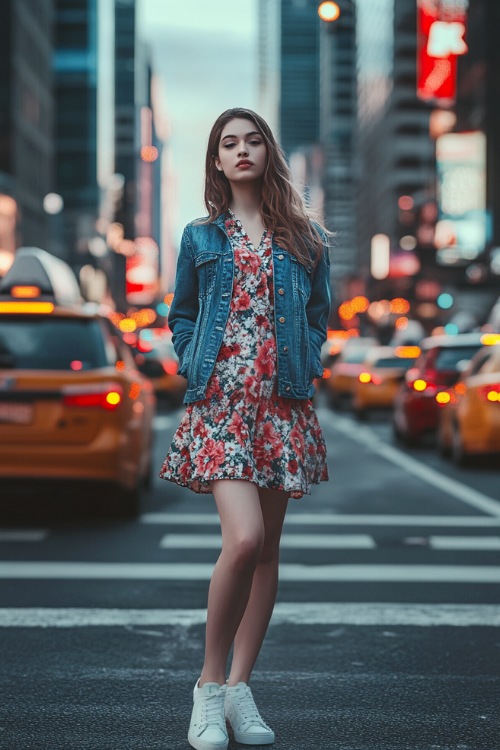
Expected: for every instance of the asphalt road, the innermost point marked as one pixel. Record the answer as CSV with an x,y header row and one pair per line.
x,y
385,634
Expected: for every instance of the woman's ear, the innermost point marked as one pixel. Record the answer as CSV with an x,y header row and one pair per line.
x,y
217,163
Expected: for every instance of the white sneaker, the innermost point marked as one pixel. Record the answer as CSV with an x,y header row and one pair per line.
x,y
207,730
248,725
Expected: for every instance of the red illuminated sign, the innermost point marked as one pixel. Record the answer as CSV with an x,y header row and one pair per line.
x,y
442,25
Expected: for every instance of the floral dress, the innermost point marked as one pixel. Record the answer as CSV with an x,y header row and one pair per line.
x,y
242,429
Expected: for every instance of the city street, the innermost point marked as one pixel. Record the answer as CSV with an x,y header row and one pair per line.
x,y
385,634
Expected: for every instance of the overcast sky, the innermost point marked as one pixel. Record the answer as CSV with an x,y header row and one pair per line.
x,y
206,54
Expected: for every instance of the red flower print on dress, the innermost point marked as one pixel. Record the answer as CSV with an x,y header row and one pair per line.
x,y
269,442
297,440
262,286
264,363
253,262
263,322
293,466
239,428
241,300
229,350
214,389
252,390
210,456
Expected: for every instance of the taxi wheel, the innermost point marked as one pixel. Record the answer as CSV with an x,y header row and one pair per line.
x,y
127,503
458,454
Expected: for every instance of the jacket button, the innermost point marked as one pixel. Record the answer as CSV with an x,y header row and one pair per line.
x,y
287,388
281,320
280,256
285,348
281,291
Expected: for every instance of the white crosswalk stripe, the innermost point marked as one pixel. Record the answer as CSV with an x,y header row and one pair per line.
x,y
23,535
314,613
288,541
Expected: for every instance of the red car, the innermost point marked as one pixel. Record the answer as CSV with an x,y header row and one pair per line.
x,y
443,358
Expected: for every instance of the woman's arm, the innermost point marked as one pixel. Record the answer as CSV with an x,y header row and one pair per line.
x,y
318,310
184,310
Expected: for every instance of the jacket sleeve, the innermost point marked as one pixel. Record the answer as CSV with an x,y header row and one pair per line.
x,y
184,309
318,310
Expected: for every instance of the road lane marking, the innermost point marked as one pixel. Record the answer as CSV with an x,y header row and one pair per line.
x,y
288,541
370,440
331,519
288,572
23,535
297,613
465,542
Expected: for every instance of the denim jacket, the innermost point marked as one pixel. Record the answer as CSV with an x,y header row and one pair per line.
x,y
200,309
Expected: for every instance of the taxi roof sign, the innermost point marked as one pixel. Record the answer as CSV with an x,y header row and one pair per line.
x,y
34,267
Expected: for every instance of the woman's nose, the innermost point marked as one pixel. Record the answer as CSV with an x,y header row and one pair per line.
x,y
242,149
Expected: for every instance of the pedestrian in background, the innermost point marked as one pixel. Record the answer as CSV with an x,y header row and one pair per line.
x,y
248,319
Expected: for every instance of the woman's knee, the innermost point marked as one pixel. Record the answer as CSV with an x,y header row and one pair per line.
x,y
246,549
270,550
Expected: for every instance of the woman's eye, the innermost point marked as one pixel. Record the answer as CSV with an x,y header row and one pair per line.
x,y
228,145
255,143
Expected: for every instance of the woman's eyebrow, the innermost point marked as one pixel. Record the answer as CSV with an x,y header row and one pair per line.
x,y
252,132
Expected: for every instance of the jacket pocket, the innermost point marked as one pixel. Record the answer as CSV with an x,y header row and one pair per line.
x,y
207,264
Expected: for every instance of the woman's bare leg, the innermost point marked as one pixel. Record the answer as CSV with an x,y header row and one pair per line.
x,y
253,626
243,533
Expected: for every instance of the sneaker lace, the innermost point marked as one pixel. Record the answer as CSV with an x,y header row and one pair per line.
x,y
213,708
246,705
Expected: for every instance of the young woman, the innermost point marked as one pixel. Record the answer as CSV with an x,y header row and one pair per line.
x,y
249,316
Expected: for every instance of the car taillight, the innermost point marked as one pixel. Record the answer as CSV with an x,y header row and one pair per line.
x,y
491,392
443,398
364,377
170,366
99,396
423,386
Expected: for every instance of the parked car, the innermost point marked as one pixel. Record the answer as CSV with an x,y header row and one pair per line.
x,y
469,412
438,367
382,372
155,357
345,369
73,406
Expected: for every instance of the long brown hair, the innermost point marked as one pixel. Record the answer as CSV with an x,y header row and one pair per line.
x,y
282,208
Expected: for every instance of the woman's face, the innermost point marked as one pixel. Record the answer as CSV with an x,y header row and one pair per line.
x,y
242,151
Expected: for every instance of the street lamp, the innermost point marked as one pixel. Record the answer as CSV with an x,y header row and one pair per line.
x,y
328,11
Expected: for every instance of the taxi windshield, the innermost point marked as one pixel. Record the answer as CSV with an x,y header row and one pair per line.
x,y
50,343
398,362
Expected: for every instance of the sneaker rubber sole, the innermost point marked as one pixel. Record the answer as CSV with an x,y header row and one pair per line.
x,y
254,738
200,744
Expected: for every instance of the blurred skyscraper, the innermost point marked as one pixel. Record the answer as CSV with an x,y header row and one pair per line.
x,y
289,70
338,137
308,72
397,154
26,109
76,69
107,158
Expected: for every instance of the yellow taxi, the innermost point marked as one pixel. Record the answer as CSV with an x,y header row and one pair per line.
x,y
381,375
73,406
469,418
344,370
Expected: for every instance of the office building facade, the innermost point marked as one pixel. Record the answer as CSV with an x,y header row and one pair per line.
x,y
26,121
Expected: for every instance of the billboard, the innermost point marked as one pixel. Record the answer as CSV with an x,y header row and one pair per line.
x,y
441,30
462,226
